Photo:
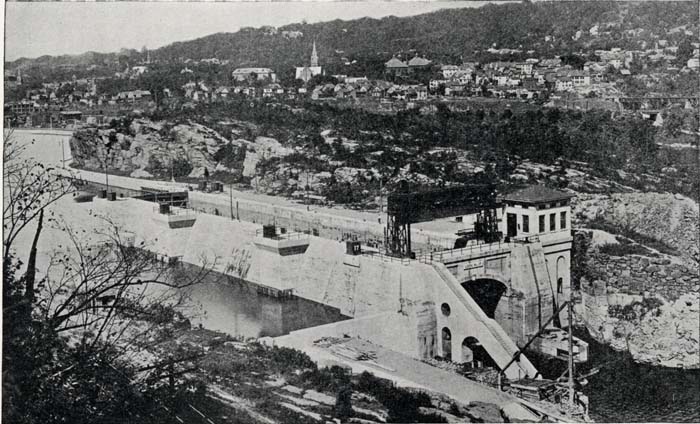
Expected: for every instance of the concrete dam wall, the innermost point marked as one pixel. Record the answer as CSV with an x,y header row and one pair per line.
x,y
358,285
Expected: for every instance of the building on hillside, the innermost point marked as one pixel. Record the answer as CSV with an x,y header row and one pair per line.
x,y
580,78
563,84
552,63
419,63
139,70
305,73
449,70
243,74
396,66
524,68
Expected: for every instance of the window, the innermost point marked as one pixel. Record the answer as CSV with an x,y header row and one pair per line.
x,y
542,230
552,222
562,220
526,224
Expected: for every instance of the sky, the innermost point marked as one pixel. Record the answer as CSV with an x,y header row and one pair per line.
x,y
33,29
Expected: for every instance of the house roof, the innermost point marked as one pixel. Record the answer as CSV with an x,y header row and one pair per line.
x,y
536,194
395,63
419,61
251,70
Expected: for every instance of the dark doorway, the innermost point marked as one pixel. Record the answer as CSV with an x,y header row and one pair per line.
x,y
512,222
486,293
446,344
474,355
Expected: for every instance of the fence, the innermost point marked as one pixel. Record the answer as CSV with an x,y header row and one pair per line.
x,y
469,250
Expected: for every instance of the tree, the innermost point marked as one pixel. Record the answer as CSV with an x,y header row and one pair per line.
x,y
66,335
181,167
343,403
685,52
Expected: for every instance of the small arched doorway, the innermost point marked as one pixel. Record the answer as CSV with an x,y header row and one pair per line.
x,y
487,293
474,355
446,344
562,270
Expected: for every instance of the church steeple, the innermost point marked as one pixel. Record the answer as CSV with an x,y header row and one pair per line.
x,y
314,56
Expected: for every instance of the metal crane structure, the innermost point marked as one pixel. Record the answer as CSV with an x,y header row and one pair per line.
x,y
405,208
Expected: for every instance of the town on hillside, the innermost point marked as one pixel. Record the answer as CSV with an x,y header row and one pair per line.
x,y
648,80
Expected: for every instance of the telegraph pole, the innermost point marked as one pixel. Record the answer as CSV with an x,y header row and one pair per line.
x,y
230,199
106,174
63,155
572,392
307,189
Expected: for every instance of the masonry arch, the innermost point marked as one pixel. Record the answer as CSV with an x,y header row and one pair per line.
x,y
487,293
446,343
474,355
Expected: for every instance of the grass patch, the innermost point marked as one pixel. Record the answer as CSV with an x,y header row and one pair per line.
x,y
631,234
623,249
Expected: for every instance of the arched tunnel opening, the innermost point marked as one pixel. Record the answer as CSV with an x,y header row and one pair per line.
x,y
486,293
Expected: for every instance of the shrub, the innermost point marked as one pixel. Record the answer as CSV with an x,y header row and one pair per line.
x,y
222,365
402,404
292,358
181,167
635,310
343,403
613,249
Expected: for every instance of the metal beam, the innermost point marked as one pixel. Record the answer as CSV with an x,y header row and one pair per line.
x,y
517,354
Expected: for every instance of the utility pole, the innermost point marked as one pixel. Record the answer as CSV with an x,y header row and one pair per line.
x,y
307,189
230,199
570,308
106,174
63,155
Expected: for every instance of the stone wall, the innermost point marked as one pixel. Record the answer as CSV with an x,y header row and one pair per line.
x,y
646,276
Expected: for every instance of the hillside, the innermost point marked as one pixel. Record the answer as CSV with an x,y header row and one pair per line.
x,y
547,28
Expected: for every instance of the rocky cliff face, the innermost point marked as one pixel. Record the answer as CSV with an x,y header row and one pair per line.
x,y
647,304
145,146
670,218
654,330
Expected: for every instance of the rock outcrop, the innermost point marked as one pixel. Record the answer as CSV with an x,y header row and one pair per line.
x,y
145,147
647,304
671,218
656,332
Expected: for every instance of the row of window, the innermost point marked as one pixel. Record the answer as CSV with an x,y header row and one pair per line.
x,y
542,219
552,205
